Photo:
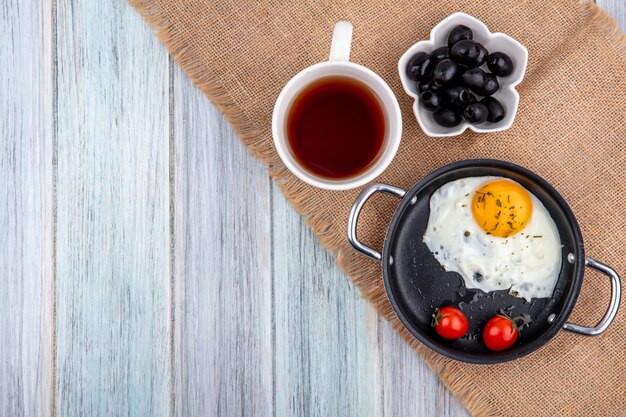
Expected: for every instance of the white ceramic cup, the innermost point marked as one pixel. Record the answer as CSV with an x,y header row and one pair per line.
x,y
338,65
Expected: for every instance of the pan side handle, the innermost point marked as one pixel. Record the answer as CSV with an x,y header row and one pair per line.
x,y
611,311
353,218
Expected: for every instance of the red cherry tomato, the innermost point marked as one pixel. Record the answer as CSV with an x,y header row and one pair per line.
x,y
500,333
450,322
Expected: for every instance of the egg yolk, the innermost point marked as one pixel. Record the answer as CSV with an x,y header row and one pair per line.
x,y
502,208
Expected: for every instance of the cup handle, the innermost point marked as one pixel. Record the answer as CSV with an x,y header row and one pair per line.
x,y
342,39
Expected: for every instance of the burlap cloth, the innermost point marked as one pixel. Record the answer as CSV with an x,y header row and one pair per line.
x,y
570,129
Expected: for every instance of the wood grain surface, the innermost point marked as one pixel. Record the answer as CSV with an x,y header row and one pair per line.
x,y
150,267
26,203
222,291
112,242
327,340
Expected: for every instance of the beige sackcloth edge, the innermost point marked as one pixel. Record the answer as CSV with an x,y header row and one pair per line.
x,y
570,129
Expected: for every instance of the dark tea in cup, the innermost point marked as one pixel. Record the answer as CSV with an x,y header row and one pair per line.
x,y
336,127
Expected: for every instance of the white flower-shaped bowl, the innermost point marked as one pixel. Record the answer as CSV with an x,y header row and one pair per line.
x,y
507,95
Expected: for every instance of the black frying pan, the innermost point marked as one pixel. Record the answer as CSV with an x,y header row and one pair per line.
x,y
416,283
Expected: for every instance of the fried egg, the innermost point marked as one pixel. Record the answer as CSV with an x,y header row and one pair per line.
x,y
496,235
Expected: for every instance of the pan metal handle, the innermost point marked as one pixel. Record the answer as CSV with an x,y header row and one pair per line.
x,y
353,218
611,312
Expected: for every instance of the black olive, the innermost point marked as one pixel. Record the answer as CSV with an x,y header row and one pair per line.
x,y
447,117
471,98
467,52
459,33
413,67
431,100
427,85
444,72
427,67
459,73
491,85
500,64
440,53
474,78
457,96
420,66
475,113
496,111
482,55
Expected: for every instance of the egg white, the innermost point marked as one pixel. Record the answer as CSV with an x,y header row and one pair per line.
x,y
527,264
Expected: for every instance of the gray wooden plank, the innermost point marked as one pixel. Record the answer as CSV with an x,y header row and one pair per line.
x,y
112,247
26,219
326,336
411,388
223,353
616,9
